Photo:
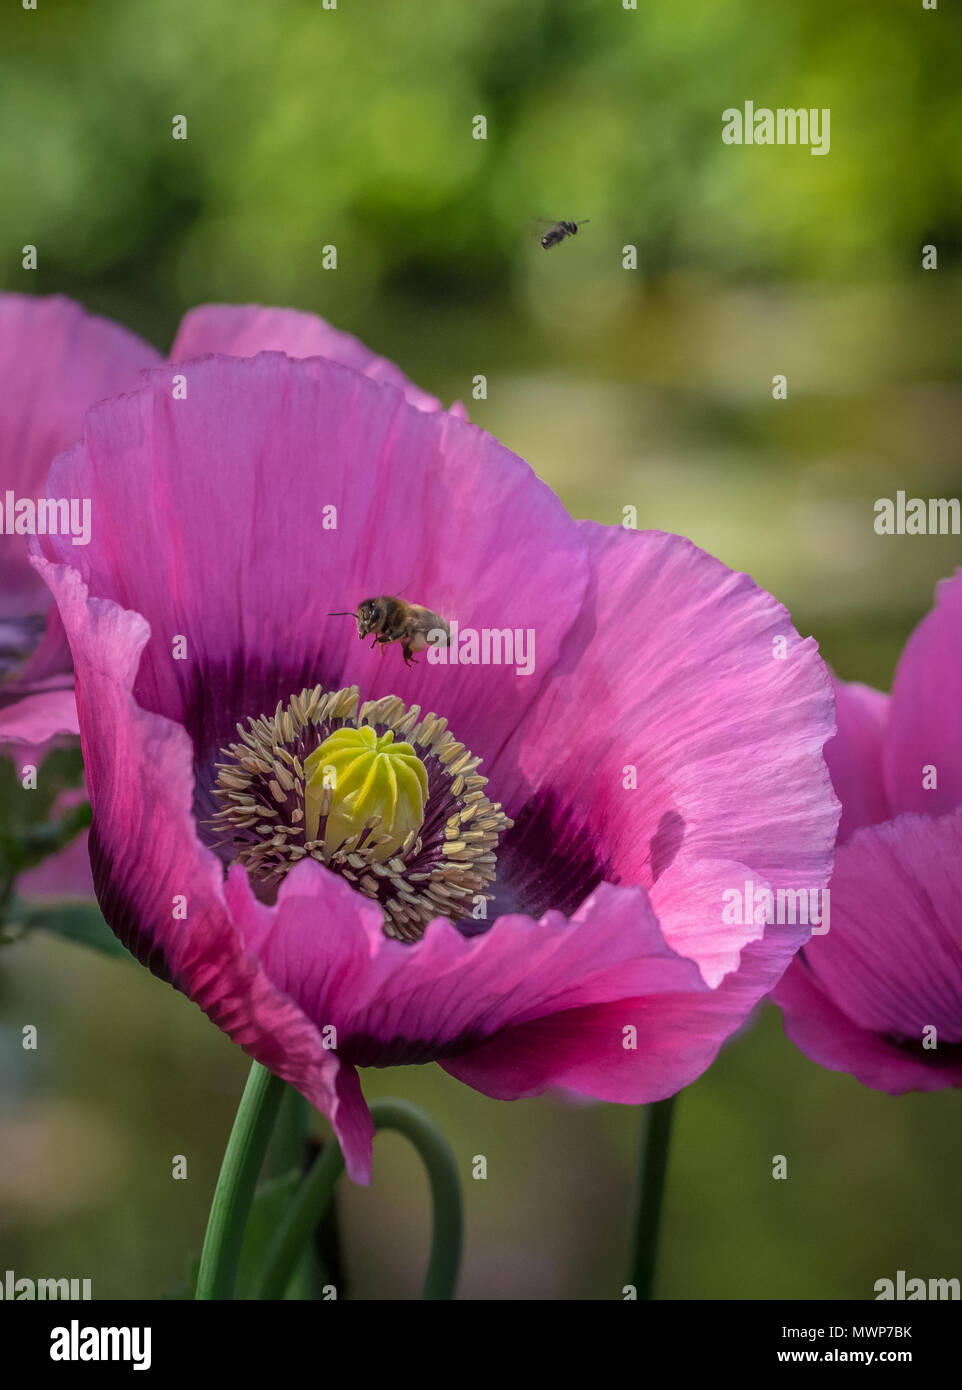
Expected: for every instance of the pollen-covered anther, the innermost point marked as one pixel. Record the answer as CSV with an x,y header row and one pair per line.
x,y
390,801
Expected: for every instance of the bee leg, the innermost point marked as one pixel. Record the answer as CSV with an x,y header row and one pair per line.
x,y
408,658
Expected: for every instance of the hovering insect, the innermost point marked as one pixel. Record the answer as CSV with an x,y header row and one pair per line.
x,y
393,620
559,231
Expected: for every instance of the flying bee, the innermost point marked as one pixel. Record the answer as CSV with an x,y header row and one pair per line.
x,y
392,620
559,231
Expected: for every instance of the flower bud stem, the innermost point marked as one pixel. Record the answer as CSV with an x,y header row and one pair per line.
x,y
311,1199
243,1159
651,1189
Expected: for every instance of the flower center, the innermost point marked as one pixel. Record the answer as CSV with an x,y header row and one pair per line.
x,y
389,800
370,776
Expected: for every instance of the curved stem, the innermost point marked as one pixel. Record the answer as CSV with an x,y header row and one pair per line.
x,y
234,1192
312,1197
651,1189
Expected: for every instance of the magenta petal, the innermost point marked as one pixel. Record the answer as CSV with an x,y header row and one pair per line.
x,y
150,868
893,957
63,875
244,330
452,997
925,728
55,361
685,715
854,756
678,1034
37,718
689,901
821,1030
891,965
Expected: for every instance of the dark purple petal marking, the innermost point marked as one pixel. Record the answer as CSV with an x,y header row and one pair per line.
x,y
120,911
551,858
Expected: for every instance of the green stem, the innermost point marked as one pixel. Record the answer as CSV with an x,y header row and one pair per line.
x,y
312,1197
286,1150
651,1189
243,1159
286,1154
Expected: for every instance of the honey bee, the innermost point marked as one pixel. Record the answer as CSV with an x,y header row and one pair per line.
x,y
559,231
393,620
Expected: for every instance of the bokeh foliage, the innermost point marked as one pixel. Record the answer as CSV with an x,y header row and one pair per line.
x,y
309,127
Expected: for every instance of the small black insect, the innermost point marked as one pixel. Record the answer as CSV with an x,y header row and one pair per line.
x,y
560,231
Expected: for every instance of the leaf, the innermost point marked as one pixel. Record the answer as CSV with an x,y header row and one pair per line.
x,y
72,919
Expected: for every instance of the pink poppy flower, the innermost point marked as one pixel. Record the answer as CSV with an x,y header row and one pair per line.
x,y
880,995
645,746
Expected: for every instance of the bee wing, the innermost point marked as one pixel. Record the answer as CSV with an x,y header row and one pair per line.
x,y
424,620
537,226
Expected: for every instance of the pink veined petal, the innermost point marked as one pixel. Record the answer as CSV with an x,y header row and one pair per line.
x,y
244,330
691,900
854,756
160,890
684,717
447,992
820,1029
925,728
527,1006
55,361
37,718
893,957
591,1050
891,965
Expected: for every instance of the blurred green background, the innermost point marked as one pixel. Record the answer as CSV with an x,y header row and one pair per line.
x,y
649,387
